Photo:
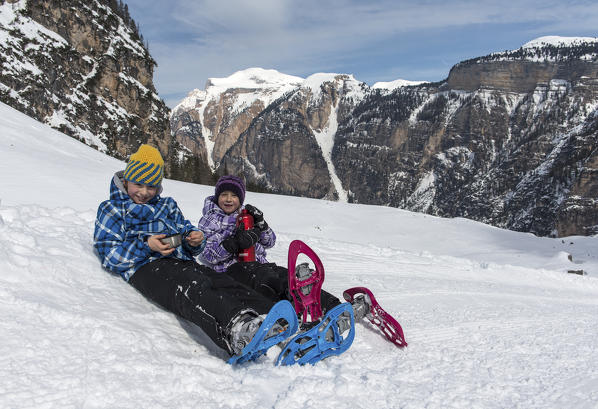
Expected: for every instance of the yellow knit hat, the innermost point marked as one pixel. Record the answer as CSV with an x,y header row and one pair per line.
x,y
145,166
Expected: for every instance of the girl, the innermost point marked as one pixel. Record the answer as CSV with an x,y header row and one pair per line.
x,y
224,240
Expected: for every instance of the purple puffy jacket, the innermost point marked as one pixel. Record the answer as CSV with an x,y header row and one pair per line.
x,y
216,226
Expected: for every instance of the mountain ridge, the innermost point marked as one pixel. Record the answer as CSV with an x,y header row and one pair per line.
x,y
459,147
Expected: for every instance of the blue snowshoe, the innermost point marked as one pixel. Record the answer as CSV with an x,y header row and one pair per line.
x,y
322,340
270,332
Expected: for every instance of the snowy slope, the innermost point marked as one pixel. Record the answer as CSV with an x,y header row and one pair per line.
x,y
491,316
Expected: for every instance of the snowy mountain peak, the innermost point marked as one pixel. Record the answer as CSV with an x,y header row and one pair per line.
x,y
253,78
351,87
559,41
392,85
262,82
316,80
193,98
251,85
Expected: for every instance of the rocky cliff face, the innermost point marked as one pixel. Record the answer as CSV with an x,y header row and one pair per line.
x,y
81,68
207,123
508,139
275,129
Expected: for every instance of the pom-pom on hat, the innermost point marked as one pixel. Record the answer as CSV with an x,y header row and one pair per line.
x,y
145,166
232,183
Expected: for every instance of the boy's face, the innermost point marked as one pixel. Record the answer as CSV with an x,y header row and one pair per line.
x,y
228,202
140,194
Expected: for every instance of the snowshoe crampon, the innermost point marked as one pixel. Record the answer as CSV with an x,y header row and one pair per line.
x,y
266,336
305,284
322,340
384,321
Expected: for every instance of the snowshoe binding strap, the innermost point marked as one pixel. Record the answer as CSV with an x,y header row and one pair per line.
x,y
264,338
305,292
388,325
322,340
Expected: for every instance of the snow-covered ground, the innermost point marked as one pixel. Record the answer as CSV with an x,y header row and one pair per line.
x,y
492,318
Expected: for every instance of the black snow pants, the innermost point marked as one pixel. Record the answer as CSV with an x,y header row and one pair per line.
x,y
199,294
272,281
210,299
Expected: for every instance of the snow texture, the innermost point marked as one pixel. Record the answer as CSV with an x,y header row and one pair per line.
x,y
492,318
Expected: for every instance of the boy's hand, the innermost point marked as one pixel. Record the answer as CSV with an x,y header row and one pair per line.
x,y
155,244
194,238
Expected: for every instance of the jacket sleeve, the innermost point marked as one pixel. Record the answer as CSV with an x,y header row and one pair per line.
x,y
213,252
185,227
119,253
268,238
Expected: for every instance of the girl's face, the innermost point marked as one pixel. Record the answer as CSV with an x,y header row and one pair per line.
x,y
140,194
228,202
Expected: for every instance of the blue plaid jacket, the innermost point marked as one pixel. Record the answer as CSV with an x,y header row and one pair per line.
x,y
217,226
122,228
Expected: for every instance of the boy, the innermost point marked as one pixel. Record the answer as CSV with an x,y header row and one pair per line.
x,y
128,232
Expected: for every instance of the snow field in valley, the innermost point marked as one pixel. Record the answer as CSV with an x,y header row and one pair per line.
x,y
492,318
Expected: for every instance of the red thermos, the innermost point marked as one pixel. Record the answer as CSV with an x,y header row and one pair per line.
x,y
246,220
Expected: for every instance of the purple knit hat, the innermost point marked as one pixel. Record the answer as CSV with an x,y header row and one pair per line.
x,y
232,183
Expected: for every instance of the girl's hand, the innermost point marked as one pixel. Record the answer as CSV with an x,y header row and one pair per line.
x,y
195,238
155,244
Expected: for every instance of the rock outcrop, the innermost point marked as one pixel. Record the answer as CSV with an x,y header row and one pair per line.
x,y
82,67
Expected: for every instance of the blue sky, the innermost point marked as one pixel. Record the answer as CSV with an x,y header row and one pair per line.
x,y
378,40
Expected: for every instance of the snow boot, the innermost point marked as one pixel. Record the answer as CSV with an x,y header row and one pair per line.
x,y
251,335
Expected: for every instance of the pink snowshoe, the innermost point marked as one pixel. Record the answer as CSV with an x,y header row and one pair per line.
x,y
305,284
376,315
